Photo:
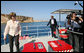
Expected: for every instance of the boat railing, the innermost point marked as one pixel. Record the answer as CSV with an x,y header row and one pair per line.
x,y
78,33
38,30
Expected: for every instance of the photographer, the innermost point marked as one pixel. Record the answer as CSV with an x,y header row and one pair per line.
x,y
81,31
81,24
67,22
76,26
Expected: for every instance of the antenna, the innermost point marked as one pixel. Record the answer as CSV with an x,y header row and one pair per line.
x,y
77,2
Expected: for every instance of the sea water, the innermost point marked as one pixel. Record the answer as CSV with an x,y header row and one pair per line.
x,y
35,28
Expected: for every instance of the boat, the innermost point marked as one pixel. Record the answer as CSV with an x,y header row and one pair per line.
x,y
44,43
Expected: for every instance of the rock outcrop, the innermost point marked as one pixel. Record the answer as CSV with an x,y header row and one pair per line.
x,y
5,18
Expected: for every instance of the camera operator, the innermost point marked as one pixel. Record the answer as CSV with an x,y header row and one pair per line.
x,y
76,26
68,22
81,36
81,24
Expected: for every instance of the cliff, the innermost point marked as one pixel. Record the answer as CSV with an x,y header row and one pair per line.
x,y
5,18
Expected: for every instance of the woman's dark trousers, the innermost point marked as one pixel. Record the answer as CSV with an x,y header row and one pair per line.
x,y
16,38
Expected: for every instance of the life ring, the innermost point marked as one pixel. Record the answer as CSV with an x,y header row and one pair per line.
x,y
64,36
62,31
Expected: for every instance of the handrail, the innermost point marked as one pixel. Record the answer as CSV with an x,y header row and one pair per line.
x,y
75,32
30,33
36,33
35,25
43,32
36,29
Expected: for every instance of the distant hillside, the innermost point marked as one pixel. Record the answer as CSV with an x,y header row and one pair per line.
x,y
40,21
5,18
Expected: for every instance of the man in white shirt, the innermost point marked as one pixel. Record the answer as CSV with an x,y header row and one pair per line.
x,y
13,28
53,24
52,21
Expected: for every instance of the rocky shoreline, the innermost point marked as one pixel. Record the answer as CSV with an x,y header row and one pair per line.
x,y
5,18
22,19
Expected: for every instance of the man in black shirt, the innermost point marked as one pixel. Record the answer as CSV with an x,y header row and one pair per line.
x,y
53,24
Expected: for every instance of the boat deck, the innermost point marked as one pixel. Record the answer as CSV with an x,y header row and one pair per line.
x,y
43,39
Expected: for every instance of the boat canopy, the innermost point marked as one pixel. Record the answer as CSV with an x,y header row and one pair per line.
x,y
67,11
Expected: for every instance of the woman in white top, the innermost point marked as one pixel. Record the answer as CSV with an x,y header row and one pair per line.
x,y
13,29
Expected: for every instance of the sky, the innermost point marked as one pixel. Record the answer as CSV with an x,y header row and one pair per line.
x,y
39,10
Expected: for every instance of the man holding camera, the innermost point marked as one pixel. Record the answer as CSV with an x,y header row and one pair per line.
x,y
76,23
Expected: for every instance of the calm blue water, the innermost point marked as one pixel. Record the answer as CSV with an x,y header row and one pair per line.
x,y
34,25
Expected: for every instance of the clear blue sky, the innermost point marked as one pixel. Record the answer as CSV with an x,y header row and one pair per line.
x,y
39,10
